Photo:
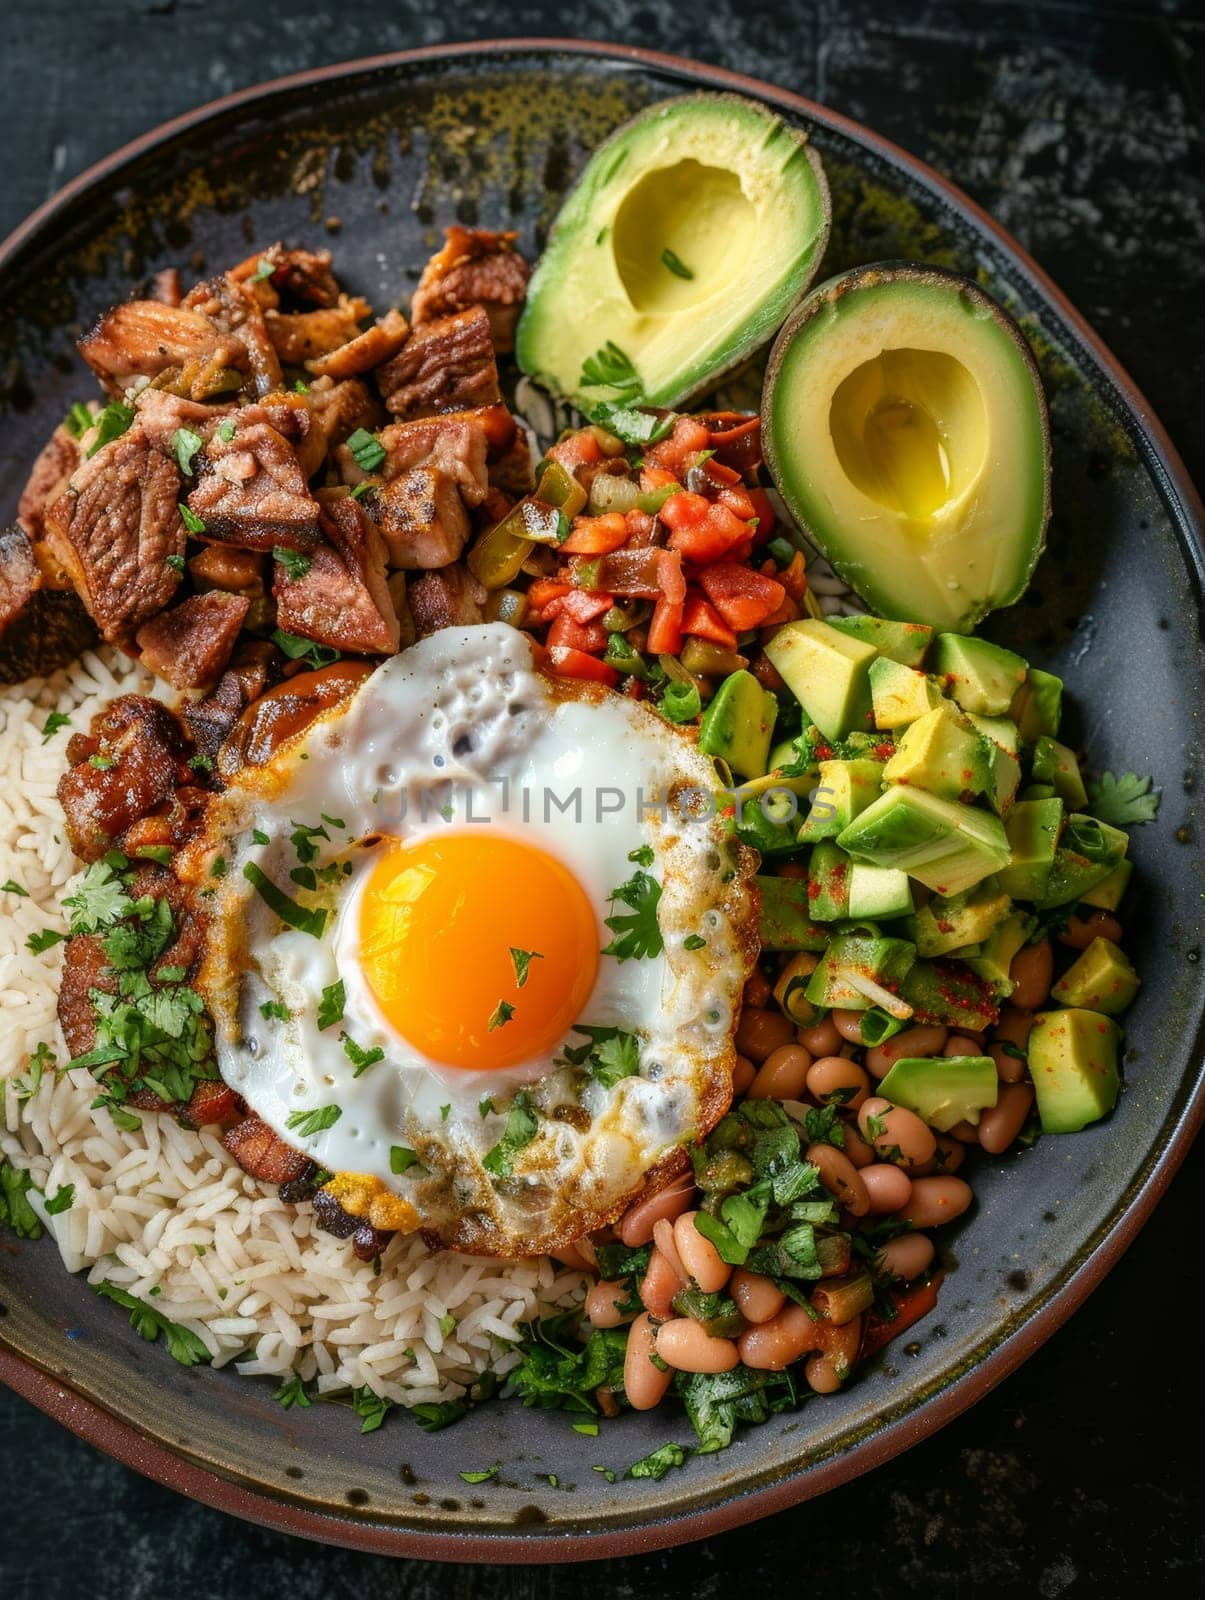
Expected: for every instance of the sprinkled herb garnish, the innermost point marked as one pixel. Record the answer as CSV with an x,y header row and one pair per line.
x,y
675,264
522,960
502,1014
330,1007
360,1058
304,919
308,1123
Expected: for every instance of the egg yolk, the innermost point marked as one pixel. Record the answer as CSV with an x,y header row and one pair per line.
x,y
479,949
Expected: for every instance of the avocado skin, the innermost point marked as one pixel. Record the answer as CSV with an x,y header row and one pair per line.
x,y
893,593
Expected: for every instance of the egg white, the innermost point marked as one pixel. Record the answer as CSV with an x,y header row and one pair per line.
x,y
462,732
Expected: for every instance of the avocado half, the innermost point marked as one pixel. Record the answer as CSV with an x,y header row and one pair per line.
x,y
906,429
689,237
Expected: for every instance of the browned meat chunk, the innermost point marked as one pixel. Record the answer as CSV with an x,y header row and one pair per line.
x,y
165,287
190,644
302,274
225,566
448,599
162,416
367,1242
252,491
366,350
126,769
511,469
232,307
59,458
457,447
338,409
475,268
210,721
262,1153
300,336
422,519
41,627
119,535
85,968
342,600
144,338
445,365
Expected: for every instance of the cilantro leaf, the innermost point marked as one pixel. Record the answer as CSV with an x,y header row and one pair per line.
x,y
299,649
294,563
521,960
183,1345
634,427
55,721
557,1372
185,444
521,1127
637,934
111,423
275,1010
192,522
308,1123
264,268
501,1015
401,1159
367,450
360,1058
1123,801
15,1210
292,1392
311,921
371,1408
611,368
330,1007
13,887
658,1462
62,1200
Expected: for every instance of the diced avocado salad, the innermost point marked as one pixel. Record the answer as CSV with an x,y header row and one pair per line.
x,y
941,972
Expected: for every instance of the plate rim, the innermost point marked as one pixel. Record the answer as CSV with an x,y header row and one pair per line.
x,y
89,1420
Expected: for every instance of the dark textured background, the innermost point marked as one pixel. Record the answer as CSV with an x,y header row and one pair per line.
x,y
1079,126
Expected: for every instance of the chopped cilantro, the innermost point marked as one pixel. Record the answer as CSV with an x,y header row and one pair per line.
x,y
264,268
192,522
636,428
637,933
611,368
501,1015
305,920
62,1200
227,430
185,444
258,836
55,721
11,886
642,857
292,1392
308,1123
330,1007
360,1058
557,1372
521,961
78,420
1124,800
367,450
299,649
15,1210
693,941
294,563
401,1159
183,1344
608,1055
275,1010
675,264
659,1462
433,1415
480,1477
371,1408
175,562
521,1128
111,423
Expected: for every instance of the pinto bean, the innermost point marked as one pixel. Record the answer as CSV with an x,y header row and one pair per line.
x,y
848,1024
757,1298
699,1256
920,1041
644,1383
663,1240
1001,1124
1031,972
837,1080
856,1148
840,1177
828,1369
774,1345
948,1156
636,1225
758,990
743,1074
959,1044
761,1032
601,1305
907,1256
1080,931
889,1187
902,1136
782,1074
687,1346
935,1201
822,1039
659,1285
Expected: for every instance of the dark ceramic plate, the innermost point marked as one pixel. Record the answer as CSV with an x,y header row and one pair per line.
x,y
493,134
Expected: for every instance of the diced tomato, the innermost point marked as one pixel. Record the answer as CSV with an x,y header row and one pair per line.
x,y
794,577
910,1305
590,637
585,605
735,438
763,510
665,628
652,478
684,443
572,663
212,1101
704,535
737,499
743,598
700,618
596,536
634,689
670,576
544,598
788,611
576,450
642,528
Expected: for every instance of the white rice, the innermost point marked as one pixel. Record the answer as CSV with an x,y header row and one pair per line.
x,y
165,1213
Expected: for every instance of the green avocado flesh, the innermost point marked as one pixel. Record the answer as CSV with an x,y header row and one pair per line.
x,y
1073,1063
905,427
942,1090
689,237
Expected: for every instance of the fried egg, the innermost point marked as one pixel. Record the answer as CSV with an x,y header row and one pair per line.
x,y
408,936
